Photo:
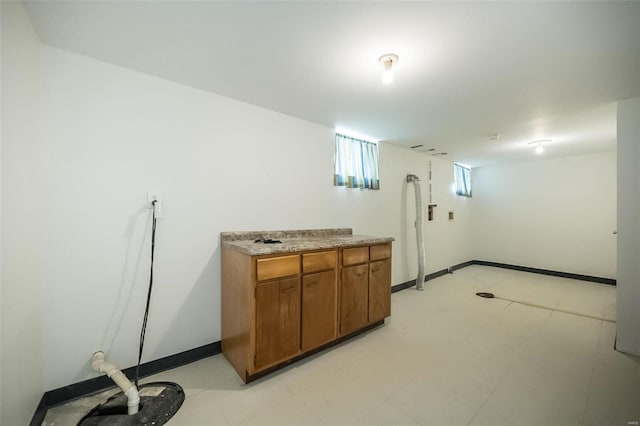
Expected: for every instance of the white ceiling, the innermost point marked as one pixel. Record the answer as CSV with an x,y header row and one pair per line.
x,y
540,70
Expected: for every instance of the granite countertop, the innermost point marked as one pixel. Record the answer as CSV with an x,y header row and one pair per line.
x,y
295,241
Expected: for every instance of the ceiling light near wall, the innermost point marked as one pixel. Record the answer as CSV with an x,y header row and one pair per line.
x,y
387,61
539,145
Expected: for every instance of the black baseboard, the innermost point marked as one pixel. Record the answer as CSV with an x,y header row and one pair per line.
x,y
462,265
398,287
41,412
405,285
87,387
590,278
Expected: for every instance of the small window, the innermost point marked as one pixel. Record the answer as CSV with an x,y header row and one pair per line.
x,y
356,163
463,180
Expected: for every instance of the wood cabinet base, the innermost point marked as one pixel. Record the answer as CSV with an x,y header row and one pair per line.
x,y
280,308
251,377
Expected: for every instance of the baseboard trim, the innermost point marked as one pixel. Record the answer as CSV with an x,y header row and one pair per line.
x,y
87,387
398,287
608,281
462,265
41,412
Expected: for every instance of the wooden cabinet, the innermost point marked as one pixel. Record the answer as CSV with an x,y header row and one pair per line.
x,y
275,267
365,286
319,309
277,321
379,290
354,289
277,308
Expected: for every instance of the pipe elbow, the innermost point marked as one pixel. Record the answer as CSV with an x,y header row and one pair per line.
x,y
97,359
133,400
99,364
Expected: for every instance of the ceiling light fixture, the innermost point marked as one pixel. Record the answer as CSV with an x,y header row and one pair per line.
x,y
538,144
387,61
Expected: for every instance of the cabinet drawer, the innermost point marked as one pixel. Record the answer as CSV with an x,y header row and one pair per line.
x,y
322,261
380,252
353,256
275,267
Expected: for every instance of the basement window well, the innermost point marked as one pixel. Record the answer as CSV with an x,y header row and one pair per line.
x,y
355,163
463,180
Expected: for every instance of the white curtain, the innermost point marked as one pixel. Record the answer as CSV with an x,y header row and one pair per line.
x,y
463,180
356,163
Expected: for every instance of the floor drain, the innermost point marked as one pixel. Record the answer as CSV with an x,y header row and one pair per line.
x,y
485,295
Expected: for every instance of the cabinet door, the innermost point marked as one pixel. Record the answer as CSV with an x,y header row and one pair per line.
x,y
319,309
379,290
277,321
354,289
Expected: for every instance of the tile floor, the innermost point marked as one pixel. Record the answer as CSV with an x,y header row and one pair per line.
x,y
445,357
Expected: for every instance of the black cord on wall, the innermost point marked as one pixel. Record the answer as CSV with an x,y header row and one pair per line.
x,y
146,310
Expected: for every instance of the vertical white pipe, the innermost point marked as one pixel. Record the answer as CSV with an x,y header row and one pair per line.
x,y
419,237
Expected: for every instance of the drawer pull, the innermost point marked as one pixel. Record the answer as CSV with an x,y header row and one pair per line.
x,y
312,284
288,290
361,274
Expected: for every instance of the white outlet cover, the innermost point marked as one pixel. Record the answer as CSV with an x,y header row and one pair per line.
x,y
153,196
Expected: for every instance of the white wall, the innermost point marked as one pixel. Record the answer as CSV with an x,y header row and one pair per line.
x,y
109,135
556,214
21,370
447,243
628,288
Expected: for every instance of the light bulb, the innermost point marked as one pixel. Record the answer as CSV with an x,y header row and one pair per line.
x,y
387,75
387,61
539,149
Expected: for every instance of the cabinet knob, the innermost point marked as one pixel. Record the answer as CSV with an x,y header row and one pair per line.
x,y
288,290
312,284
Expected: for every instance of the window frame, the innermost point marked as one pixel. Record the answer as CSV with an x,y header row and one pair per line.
x,y
463,181
356,163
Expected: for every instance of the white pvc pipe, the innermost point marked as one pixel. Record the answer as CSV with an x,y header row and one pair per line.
x,y
133,398
419,237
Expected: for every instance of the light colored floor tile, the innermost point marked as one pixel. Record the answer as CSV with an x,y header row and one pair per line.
x,y
471,375
339,400
383,374
191,377
526,397
291,412
386,415
199,410
219,373
445,357
348,352
430,402
486,417
240,405
591,299
301,375
613,391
